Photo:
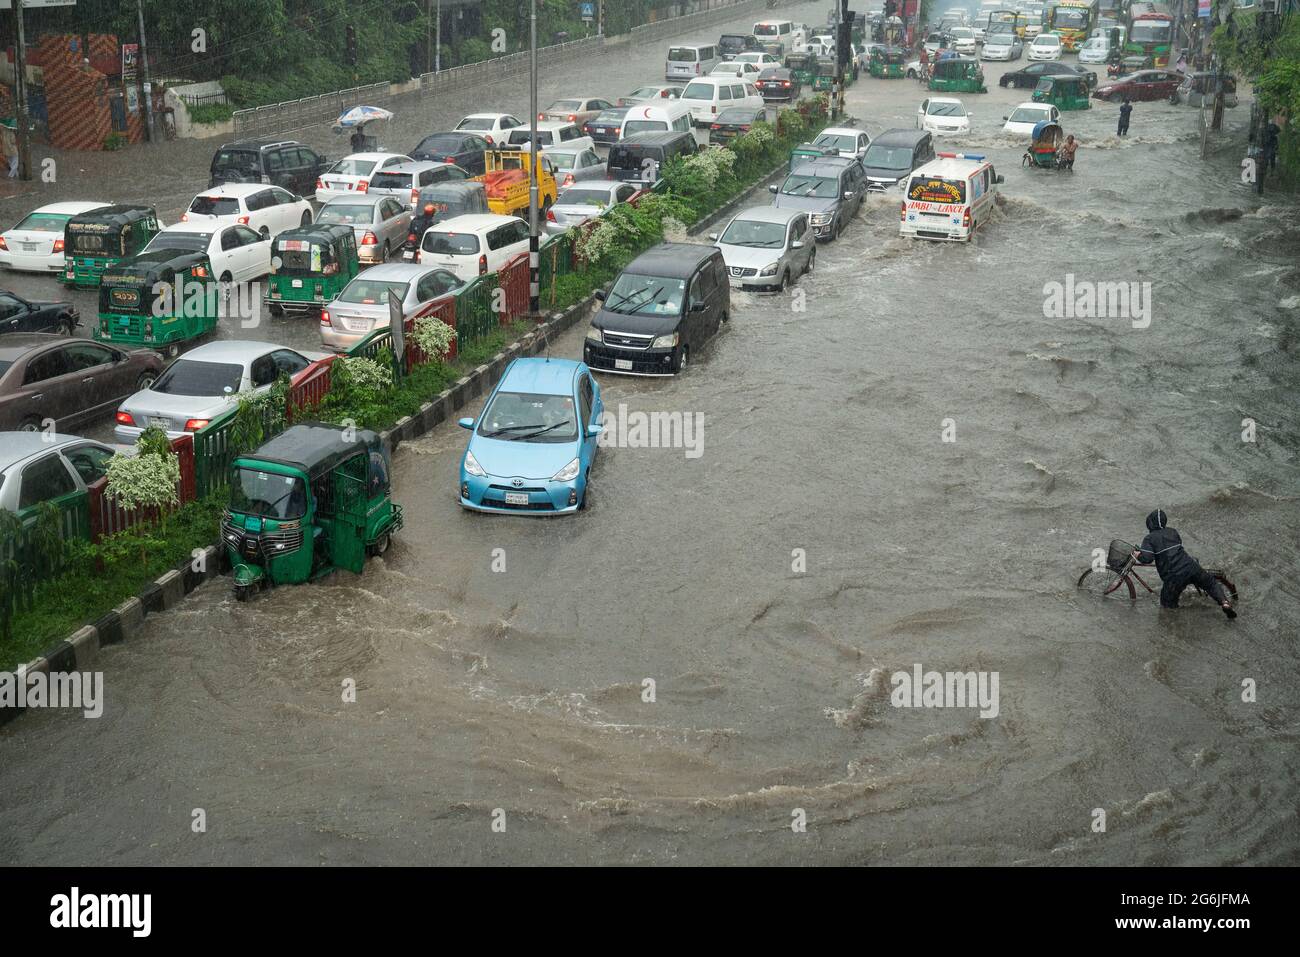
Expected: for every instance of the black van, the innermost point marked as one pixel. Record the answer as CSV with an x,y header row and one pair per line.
x,y
893,155
732,44
663,307
638,158
285,163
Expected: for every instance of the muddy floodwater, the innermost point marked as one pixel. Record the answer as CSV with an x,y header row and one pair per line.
x,y
905,461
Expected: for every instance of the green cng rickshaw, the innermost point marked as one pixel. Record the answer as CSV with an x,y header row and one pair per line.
x,y
801,65
314,499
158,299
888,63
1063,92
100,237
310,266
824,73
957,75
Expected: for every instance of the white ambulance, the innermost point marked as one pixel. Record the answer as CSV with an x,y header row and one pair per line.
x,y
948,198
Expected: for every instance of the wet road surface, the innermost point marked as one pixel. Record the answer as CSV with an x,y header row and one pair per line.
x,y
522,690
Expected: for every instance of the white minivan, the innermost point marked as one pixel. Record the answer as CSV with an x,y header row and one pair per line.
x,y
672,116
691,60
948,198
710,95
473,245
778,37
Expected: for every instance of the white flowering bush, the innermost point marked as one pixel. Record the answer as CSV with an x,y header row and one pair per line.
x,y
145,480
710,165
367,373
433,336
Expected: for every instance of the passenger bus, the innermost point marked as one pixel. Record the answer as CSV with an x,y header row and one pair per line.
x,y
1072,21
1150,31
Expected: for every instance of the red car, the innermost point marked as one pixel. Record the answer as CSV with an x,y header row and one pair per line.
x,y
1143,85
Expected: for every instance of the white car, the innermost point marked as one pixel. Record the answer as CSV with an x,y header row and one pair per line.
x,y
352,174
761,60
648,94
205,382
943,116
845,140
1025,116
963,40
551,133
737,68
493,127
1095,50
705,97
236,253
1046,46
473,245
1003,45
268,210
36,243
584,201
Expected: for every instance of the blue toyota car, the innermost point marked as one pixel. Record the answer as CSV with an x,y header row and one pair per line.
x,y
532,448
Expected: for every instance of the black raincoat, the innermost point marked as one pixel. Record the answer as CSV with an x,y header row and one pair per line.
x,y
1176,568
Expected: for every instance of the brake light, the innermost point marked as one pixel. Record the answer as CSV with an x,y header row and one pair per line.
x,y
550,216
716,126
124,418
482,263
325,317
199,271
369,239
410,237
489,138
902,212
58,245
568,179
185,217
714,109
965,218
415,196
193,425
363,186
572,117
319,184
697,68
785,82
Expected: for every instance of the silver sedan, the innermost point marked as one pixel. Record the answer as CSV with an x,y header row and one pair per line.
x,y
583,201
379,222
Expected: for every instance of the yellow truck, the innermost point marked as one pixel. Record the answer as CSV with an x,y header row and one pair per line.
x,y
506,181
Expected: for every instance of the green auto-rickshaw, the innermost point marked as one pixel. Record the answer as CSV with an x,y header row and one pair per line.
x,y
310,265
100,237
887,63
957,75
314,499
1063,92
824,73
801,65
158,299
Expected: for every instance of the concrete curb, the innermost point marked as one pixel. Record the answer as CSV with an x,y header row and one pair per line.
x,y
80,649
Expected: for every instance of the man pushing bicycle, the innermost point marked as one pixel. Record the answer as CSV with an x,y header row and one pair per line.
x,y
1176,568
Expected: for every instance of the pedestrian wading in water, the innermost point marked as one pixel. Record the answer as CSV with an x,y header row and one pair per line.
x,y
1125,110
1176,568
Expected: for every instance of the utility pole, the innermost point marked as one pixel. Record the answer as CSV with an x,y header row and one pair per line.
x,y
534,244
20,91
428,36
144,65
600,18
437,43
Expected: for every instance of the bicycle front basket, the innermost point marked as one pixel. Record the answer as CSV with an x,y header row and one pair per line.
x,y
1118,555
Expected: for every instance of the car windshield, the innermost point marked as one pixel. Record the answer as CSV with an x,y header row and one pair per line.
x,y
529,417
564,106
940,108
388,180
1071,18
372,292
450,244
562,160
215,206
749,232
347,215
195,377
998,31
267,494
1047,40
353,167
644,92
583,197
888,157
44,223
476,123
682,54
698,91
646,296
766,30
190,242
821,187
839,141
610,116
1026,115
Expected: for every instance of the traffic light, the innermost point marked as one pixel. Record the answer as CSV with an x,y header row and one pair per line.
x,y
352,45
844,44
891,7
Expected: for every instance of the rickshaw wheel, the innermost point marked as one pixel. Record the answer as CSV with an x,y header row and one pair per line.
x,y
381,545
276,310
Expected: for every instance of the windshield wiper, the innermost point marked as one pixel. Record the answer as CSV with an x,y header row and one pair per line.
x,y
511,428
628,297
549,428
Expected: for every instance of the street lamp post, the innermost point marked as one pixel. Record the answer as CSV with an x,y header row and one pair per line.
x,y
534,293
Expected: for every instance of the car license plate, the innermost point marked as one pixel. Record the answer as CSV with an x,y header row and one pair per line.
x,y
297,284
158,423
516,498
409,255
29,247
623,364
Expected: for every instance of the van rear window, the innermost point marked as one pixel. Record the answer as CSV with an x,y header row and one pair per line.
x,y
388,180
936,189
683,54
644,126
632,157
450,244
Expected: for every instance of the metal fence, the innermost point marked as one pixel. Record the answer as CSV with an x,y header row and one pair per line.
x,y
649,32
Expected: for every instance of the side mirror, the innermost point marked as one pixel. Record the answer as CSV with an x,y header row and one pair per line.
x,y
1004,119
466,423
595,429
600,294
848,194
797,244
713,236
697,307
999,178
772,188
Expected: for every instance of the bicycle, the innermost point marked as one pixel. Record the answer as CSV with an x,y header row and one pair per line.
x,y
1120,573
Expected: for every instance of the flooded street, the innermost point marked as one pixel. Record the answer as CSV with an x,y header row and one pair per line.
x,y
827,537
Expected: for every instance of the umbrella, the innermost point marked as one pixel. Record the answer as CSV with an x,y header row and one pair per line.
x,y
360,116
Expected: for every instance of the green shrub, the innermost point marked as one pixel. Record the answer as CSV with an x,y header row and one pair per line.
x,y
211,113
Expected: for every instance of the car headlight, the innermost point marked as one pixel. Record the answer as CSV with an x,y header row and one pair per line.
x,y
593,334
472,466
769,270
821,219
665,342
568,473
